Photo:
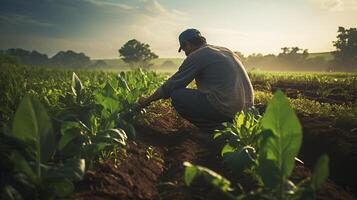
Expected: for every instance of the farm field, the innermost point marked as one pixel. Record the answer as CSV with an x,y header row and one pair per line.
x,y
171,64
158,64
103,147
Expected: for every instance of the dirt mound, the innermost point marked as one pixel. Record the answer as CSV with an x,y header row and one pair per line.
x,y
329,189
319,138
295,90
134,177
152,168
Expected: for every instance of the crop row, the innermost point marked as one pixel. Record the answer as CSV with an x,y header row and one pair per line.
x,y
266,148
54,129
42,152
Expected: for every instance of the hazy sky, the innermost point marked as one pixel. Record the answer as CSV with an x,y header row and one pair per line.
x,y
100,27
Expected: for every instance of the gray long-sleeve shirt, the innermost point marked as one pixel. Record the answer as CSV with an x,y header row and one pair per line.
x,y
218,73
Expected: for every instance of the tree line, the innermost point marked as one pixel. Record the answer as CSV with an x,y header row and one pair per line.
x,y
290,59
34,58
138,54
344,58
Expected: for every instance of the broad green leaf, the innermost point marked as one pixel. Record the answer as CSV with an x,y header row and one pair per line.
x,y
194,171
191,172
69,132
8,143
69,125
320,173
130,130
226,149
240,160
108,103
122,83
113,82
62,187
217,134
104,137
73,169
69,136
280,149
77,85
269,172
68,99
32,124
76,169
74,146
23,166
108,91
239,119
94,124
10,193
93,150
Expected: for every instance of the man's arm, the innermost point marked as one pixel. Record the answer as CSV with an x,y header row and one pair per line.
x,y
145,101
186,73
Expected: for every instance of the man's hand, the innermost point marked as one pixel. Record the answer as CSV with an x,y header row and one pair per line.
x,y
144,101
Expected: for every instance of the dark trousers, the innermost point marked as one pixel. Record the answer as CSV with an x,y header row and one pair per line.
x,y
193,105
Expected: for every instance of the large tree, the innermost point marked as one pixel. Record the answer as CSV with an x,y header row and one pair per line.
x,y
136,53
346,49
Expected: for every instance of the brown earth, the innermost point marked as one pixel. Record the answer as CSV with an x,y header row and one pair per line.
x,y
295,90
133,178
174,141
137,177
326,135
341,145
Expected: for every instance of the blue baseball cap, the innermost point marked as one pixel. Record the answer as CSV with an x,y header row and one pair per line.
x,y
188,34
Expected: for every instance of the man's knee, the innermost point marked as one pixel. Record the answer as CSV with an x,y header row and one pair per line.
x,y
176,96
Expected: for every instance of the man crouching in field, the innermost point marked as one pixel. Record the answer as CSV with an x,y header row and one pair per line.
x,y
223,86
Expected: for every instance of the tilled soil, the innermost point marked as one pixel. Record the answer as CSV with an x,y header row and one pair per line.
x,y
133,178
160,174
295,90
320,137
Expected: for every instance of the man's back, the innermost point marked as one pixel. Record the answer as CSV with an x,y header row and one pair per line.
x,y
223,86
219,74
223,79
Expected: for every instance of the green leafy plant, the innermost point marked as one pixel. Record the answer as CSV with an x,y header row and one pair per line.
x,y
280,145
241,139
92,132
151,154
91,120
268,147
194,171
33,129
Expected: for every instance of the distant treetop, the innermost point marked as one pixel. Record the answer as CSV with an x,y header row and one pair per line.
x,y
135,52
61,59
